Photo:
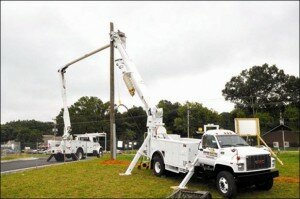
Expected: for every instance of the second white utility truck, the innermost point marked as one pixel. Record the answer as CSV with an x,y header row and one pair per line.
x,y
83,144
78,148
221,154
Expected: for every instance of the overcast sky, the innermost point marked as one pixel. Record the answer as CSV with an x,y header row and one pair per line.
x,y
183,50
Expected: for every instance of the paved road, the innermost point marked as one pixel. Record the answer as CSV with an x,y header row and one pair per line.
x,y
22,164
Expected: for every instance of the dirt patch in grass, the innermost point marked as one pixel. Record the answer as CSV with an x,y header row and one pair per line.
x,y
115,162
287,179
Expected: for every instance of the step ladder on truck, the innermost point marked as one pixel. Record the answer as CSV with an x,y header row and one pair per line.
x,y
221,154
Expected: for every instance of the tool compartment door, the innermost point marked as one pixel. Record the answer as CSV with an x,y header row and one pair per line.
x,y
172,153
188,152
184,155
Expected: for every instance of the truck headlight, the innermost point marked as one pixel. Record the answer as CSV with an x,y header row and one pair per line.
x,y
273,162
241,166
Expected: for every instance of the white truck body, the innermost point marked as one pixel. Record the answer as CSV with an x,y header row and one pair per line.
x,y
178,152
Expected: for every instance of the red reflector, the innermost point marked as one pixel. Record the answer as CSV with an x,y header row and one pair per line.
x,y
238,157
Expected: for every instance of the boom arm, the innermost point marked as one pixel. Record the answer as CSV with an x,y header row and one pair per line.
x,y
134,82
66,115
62,71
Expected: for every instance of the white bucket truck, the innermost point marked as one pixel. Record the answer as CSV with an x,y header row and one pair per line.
x,y
78,148
83,144
221,154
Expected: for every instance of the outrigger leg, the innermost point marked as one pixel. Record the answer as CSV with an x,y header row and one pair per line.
x,y
189,175
137,156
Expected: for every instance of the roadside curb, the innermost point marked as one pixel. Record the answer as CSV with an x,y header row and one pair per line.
x,y
13,160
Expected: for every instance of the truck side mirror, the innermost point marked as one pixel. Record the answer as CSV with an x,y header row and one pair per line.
x,y
199,147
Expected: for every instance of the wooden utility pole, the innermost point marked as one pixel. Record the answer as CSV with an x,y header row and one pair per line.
x,y
112,98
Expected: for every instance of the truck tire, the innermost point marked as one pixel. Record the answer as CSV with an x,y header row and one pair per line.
x,y
100,154
266,185
59,157
158,166
226,184
78,155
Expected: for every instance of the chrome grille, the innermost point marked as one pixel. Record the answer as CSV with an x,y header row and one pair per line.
x,y
256,162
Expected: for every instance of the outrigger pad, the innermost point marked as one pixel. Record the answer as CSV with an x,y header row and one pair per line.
x,y
186,193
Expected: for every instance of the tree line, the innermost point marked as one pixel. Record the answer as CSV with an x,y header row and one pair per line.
x,y
263,91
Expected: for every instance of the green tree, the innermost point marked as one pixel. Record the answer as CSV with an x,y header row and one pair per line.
x,y
88,114
226,121
261,88
132,120
291,117
266,121
199,116
170,113
11,130
292,90
29,137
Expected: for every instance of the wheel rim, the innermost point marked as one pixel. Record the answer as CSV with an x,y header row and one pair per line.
x,y
223,184
79,155
157,167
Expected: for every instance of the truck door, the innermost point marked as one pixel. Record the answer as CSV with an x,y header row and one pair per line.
x,y
208,153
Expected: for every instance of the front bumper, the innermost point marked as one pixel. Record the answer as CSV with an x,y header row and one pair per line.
x,y
253,177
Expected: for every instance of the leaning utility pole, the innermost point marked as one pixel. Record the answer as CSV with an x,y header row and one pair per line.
x,y
112,98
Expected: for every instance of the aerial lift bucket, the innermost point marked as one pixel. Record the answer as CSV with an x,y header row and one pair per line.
x,y
186,193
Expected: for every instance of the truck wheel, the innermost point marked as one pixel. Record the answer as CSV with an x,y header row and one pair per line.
x,y
266,185
100,154
78,154
158,166
59,157
226,184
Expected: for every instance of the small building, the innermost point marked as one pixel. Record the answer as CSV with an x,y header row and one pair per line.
x,y
281,136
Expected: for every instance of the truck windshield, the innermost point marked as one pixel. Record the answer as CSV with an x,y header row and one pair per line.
x,y
231,140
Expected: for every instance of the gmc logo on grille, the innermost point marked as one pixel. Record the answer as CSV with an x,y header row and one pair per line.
x,y
259,162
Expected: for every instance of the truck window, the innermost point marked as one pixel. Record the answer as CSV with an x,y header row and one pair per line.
x,y
84,139
204,145
209,141
231,140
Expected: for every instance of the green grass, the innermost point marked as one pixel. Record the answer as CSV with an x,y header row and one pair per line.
x,y
93,178
21,155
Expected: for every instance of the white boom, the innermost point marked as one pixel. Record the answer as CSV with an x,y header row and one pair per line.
x,y
62,71
66,115
134,82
